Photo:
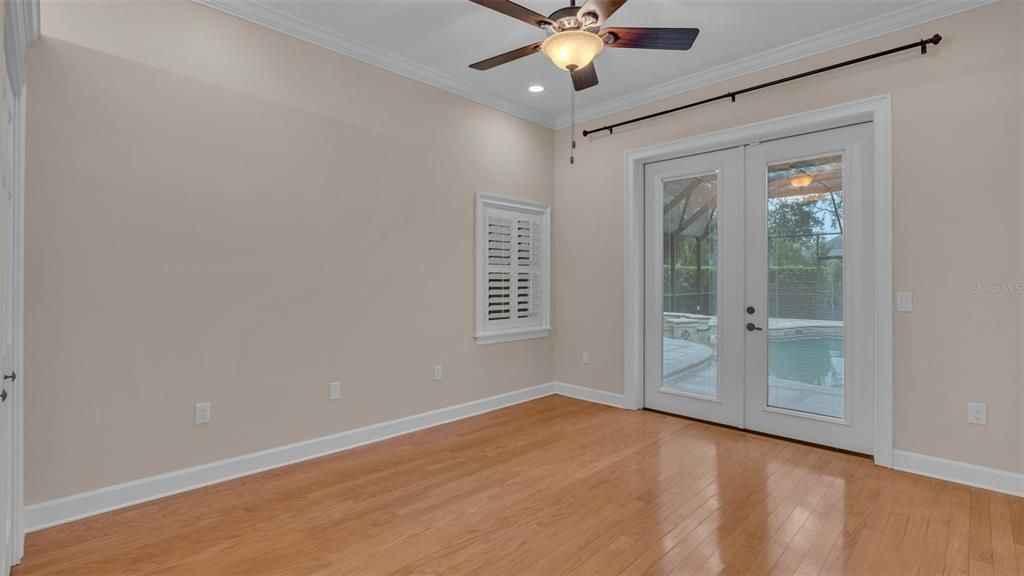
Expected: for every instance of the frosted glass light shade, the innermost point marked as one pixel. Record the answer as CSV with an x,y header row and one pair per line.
x,y
572,49
802,180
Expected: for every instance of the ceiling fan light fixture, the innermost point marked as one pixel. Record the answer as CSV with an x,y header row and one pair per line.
x,y
801,180
572,49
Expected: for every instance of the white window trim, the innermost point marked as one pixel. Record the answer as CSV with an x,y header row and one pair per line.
x,y
482,335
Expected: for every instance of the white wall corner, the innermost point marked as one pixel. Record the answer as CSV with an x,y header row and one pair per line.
x,y
77,506
591,395
266,14
960,472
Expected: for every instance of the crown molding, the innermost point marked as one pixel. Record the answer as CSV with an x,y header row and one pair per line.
x,y
258,12
913,15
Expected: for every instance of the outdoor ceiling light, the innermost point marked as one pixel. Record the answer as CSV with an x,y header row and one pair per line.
x,y
801,179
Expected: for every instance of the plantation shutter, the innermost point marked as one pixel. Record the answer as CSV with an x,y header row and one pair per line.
x,y
529,288
500,247
514,269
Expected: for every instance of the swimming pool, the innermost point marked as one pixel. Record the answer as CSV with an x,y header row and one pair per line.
x,y
805,367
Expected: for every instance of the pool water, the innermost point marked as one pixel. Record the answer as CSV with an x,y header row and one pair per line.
x,y
804,373
816,361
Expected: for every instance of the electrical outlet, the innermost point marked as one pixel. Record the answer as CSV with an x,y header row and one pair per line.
x,y
586,358
438,373
904,301
975,413
202,412
335,390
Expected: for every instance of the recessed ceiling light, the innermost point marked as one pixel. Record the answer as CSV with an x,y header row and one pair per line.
x,y
536,88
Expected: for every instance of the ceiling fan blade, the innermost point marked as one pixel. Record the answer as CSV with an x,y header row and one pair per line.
x,y
584,77
514,10
506,57
656,38
603,8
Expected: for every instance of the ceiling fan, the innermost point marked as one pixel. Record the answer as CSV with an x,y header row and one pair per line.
x,y
576,35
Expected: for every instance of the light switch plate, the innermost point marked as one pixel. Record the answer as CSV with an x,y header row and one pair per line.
x,y
438,373
335,390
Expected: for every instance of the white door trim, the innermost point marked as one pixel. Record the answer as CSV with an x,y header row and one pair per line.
x,y
18,386
878,110
21,22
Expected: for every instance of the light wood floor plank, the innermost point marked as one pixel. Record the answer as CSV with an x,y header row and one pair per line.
x,y
933,559
911,547
958,551
981,534
733,502
555,487
1004,551
851,478
1017,519
842,515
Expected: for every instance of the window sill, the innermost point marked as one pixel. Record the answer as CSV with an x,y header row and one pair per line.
x,y
512,335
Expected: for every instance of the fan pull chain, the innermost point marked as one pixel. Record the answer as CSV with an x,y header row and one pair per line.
x,y
572,125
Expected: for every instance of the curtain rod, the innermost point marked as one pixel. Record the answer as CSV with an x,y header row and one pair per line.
x,y
922,44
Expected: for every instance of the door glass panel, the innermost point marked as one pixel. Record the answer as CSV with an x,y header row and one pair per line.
x,y
689,294
805,285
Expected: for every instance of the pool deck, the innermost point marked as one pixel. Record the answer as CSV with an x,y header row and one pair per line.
x,y
691,367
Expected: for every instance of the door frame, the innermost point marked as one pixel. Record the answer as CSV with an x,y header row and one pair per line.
x,y
878,110
21,27
16,388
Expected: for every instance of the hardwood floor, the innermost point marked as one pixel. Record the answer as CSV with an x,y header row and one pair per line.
x,y
557,486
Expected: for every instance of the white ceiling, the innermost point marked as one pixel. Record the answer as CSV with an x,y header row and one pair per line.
x,y
435,41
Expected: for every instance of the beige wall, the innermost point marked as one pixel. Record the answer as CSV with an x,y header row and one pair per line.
x,y
220,212
207,203
957,188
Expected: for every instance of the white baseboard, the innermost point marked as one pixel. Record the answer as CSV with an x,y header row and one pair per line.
x,y
61,510
590,395
77,506
960,472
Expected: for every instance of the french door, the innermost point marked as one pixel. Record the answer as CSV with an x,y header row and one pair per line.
x,y
759,289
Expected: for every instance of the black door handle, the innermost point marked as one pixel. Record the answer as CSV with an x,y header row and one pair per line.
x,y
12,376
751,327
3,395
